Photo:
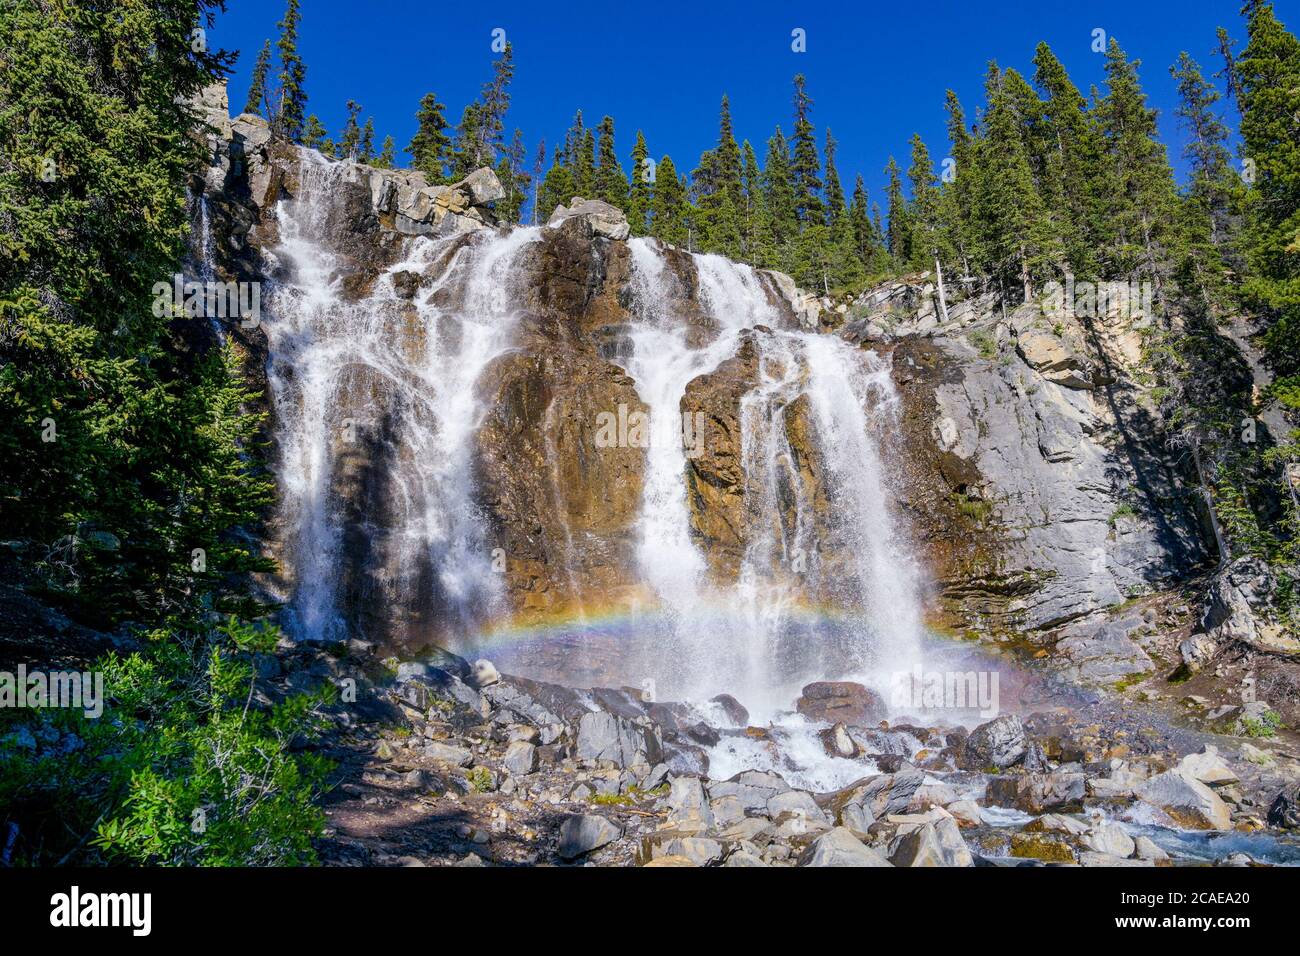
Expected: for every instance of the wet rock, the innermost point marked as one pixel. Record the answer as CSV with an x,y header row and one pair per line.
x,y
882,794
734,711
1093,858
841,702
485,674
799,805
839,847
965,812
837,741
1037,792
1047,847
1146,849
1188,802
582,833
1111,839
999,743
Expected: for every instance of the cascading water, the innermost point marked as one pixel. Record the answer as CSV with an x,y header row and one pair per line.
x,y
749,636
381,392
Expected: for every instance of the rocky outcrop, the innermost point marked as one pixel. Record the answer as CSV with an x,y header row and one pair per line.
x,y
598,216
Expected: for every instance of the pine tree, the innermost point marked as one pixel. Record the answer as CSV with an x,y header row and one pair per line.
x,y
1073,172
611,181
539,169
1212,204
669,220
584,171
719,191
514,177
1269,73
864,240
430,147
291,98
490,116
350,138
314,134
387,158
638,206
755,247
257,83
778,188
1017,242
366,144
804,165
1143,206
835,205
556,189
468,148
959,194
899,238
929,245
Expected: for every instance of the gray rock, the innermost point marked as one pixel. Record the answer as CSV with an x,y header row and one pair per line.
x,y
448,753
1208,767
582,833
732,709
1146,849
841,702
520,758
839,847
934,843
1110,838
688,807
753,788
797,804
602,736
998,743
600,217
1188,802
742,858
481,186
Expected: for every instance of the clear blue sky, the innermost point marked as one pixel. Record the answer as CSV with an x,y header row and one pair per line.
x,y
877,71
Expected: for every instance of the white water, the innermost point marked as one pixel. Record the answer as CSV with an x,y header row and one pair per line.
x,y
382,371
748,637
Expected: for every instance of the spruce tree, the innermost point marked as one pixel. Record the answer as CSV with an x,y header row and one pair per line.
x,y
778,188
1017,242
468,146
314,134
669,219
638,206
929,245
430,147
1142,211
755,246
256,102
860,222
291,98
1073,171
584,171
366,143
899,238
557,188
805,167
611,181
1269,73
350,137
387,157
959,194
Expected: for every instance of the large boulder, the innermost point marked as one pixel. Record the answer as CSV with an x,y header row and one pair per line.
x,y
1187,801
627,743
1285,811
600,217
839,847
999,743
841,702
581,833
936,842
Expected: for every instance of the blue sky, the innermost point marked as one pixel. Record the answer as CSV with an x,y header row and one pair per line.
x,y
877,72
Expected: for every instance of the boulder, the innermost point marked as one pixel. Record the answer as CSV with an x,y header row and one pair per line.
x,y
1037,792
1111,839
1208,767
520,758
1188,802
1054,359
627,743
839,847
1285,811
753,788
688,807
481,187
935,843
841,702
998,743
583,832
600,217
732,709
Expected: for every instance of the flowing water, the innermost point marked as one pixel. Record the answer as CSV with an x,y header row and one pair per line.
x,y
377,404
391,385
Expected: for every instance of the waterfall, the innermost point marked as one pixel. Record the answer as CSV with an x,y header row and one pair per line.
x,y
376,405
752,636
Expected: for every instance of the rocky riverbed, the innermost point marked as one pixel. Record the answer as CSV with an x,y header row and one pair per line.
x,y
441,762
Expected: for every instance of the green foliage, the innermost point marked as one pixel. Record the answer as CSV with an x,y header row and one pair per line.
x,y
256,102
180,769
430,147
290,100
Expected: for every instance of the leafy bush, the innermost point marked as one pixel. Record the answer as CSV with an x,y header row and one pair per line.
x,y
183,766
